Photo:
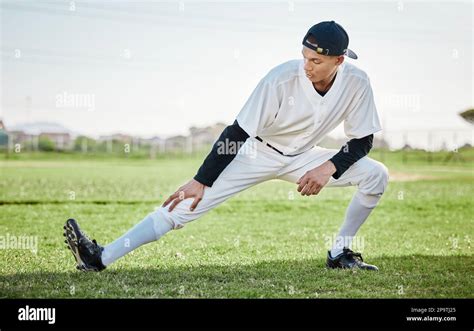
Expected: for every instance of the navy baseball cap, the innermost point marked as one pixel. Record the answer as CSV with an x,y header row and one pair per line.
x,y
328,38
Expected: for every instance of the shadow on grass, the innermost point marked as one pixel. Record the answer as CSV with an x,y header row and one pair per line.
x,y
417,276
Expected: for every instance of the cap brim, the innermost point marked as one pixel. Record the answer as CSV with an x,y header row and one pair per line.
x,y
351,54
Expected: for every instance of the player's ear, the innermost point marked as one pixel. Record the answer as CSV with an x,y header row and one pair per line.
x,y
339,60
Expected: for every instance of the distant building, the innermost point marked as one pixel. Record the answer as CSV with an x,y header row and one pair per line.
x,y
20,137
125,138
30,133
176,143
203,137
61,141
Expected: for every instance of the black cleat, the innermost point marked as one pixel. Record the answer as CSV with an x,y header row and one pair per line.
x,y
348,260
86,252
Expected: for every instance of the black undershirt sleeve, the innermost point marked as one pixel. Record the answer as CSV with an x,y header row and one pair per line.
x,y
221,154
350,153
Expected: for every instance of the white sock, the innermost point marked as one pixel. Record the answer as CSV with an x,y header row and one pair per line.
x,y
142,233
356,214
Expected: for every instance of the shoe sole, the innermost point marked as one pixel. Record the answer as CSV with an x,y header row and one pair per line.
x,y
349,268
73,235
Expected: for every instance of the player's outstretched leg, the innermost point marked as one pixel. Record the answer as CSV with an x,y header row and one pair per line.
x,y
90,256
255,165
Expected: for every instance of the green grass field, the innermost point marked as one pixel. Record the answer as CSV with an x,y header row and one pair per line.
x,y
261,243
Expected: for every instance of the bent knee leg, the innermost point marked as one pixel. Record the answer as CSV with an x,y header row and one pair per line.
x,y
376,180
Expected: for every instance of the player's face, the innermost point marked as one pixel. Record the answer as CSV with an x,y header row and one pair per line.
x,y
319,68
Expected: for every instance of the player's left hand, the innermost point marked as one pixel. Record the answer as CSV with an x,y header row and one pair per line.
x,y
315,179
192,189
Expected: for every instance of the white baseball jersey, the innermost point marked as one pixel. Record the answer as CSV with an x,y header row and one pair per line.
x,y
286,111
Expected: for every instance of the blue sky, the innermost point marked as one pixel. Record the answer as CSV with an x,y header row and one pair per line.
x,y
157,68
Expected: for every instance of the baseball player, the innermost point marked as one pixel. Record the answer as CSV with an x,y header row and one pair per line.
x,y
277,133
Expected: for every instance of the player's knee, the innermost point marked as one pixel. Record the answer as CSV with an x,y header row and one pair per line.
x,y
383,175
178,217
376,180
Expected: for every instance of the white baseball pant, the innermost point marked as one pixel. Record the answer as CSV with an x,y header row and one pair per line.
x,y
256,163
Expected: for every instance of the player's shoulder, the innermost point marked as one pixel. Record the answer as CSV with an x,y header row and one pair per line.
x,y
355,75
284,72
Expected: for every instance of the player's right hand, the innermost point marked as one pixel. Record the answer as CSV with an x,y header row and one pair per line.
x,y
192,189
